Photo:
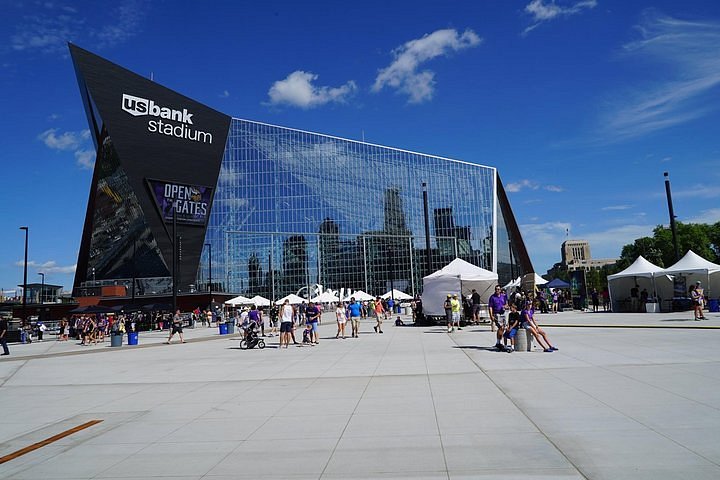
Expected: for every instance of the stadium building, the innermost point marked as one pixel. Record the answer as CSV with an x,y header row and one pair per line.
x,y
250,208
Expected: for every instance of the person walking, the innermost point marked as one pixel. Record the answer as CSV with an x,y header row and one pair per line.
x,y
287,317
355,310
697,295
379,315
3,336
341,317
176,327
476,302
447,307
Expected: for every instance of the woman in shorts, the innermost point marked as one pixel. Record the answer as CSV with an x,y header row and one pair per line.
x,y
527,317
341,318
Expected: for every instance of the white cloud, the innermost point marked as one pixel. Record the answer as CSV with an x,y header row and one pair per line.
x,y
616,207
402,74
683,93
225,94
526,184
544,240
85,159
50,266
298,90
49,28
545,11
71,141
706,216
699,191
63,141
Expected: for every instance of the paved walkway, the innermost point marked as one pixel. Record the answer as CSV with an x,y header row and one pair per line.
x,y
414,402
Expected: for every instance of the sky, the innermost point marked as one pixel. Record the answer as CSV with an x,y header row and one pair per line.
x,y
580,104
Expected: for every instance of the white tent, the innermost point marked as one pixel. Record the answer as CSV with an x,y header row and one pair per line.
x,y
539,281
294,299
397,294
326,297
642,273
696,268
359,296
260,301
239,300
458,277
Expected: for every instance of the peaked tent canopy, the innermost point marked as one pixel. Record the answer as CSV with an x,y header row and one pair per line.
x,y
294,299
539,281
696,268
459,277
557,283
326,297
260,301
644,274
239,300
360,296
397,295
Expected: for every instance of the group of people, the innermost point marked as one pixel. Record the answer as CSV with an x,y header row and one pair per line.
x,y
285,319
512,316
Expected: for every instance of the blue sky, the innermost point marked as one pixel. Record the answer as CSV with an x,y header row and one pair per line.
x,y
581,104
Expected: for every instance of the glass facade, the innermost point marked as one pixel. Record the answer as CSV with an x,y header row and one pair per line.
x,y
294,210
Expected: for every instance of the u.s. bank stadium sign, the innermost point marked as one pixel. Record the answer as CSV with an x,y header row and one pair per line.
x,y
189,203
165,120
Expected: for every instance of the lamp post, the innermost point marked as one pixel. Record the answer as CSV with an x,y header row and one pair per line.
x,y
673,229
41,297
428,252
209,267
24,299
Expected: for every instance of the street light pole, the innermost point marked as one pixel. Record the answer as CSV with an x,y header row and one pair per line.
x,y
428,252
24,299
673,229
41,297
209,245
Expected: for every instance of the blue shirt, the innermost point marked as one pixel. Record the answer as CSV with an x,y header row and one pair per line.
x,y
354,309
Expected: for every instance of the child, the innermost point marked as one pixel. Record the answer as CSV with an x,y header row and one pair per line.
x,y
512,329
398,322
307,335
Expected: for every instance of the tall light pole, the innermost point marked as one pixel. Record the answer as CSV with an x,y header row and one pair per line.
x,y
209,266
24,300
41,297
673,229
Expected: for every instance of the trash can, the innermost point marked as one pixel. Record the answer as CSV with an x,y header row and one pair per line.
x,y
132,338
116,339
230,327
223,328
714,305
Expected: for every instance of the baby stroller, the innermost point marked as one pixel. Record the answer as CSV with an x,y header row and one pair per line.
x,y
251,338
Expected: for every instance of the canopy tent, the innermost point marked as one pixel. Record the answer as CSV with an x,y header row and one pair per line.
x,y
260,301
539,281
397,295
359,296
458,277
645,275
294,299
696,268
326,297
557,283
239,300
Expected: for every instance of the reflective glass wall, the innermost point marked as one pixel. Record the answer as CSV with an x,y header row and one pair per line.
x,y
295,209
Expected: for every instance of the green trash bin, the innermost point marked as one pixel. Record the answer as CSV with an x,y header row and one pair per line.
x,y
230,327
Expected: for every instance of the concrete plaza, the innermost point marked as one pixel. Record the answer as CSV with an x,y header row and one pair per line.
x,y
414,402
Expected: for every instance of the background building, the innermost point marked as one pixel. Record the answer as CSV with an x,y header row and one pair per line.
x,y
251,208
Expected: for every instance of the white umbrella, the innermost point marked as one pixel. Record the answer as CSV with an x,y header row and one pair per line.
x,y
239,300
397,294
294,299
359,295
260,301
325,297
